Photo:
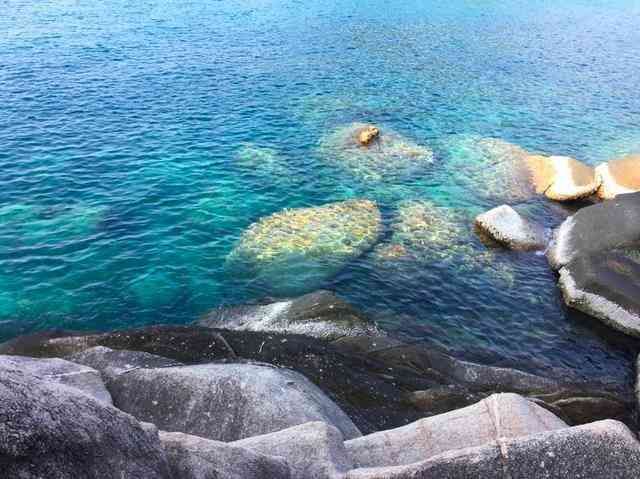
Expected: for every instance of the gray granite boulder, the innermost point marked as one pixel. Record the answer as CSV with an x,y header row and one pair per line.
x,y
227,401
506,226
600,450
193,457
498,416
321,314
83,378
612,224
313,450
55,431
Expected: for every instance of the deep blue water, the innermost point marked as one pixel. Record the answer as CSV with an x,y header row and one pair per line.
x,y
122,124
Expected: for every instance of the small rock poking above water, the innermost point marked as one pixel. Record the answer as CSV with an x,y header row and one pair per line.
x,y
368,134
562,178
506,226
618,177
300,248
321,314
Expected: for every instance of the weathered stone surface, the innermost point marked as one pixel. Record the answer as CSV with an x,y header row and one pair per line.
x,y
55,431
111,363
193,457
298,249
562,178
367,134
313,450
321,314
619,177
227,401
498,416
506,226
601,450
611,224
83,378
606,285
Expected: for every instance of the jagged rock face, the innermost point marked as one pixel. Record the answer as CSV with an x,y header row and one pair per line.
x,y
505,225
619,177
307,245
193,457
85,379
227,401
562,178
321,314
390,159
55,431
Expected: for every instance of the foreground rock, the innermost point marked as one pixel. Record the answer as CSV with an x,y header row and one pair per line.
x,y
193,457
83,378
55,431
321,314
618,177
390,159
505,225
606,285
562,178
313,450
600,450
597,228
379,382
300,248
499,416
226,402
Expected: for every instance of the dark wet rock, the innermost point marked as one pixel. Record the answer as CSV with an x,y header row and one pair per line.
x,y
600,450
51,430
373,379
85,379
313,450
506,226
606,285
597,228
193,457
225,401
498,416
112,363
321,314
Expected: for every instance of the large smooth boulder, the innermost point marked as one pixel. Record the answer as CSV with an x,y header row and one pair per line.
x,y
313,450
506,226
297,249
83,378
226,401
562,178
606,285
55,431
601,450
193,457
618,177
498,416
390,159
597,228
321,314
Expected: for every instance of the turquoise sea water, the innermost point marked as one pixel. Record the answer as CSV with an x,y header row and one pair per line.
x,y
139,139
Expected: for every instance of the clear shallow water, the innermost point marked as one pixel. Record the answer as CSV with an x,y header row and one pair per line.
x,y
123,184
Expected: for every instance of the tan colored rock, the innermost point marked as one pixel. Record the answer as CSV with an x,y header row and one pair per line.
x,y
367,134
618,177
561,178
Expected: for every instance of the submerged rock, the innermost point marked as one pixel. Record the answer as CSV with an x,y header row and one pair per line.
x,y
390,159
306,245
562,178
618,177
267,163
506,226
55,431
321,314
193,457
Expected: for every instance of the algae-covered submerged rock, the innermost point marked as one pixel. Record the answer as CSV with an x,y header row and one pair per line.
x,y
307,245
390,158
